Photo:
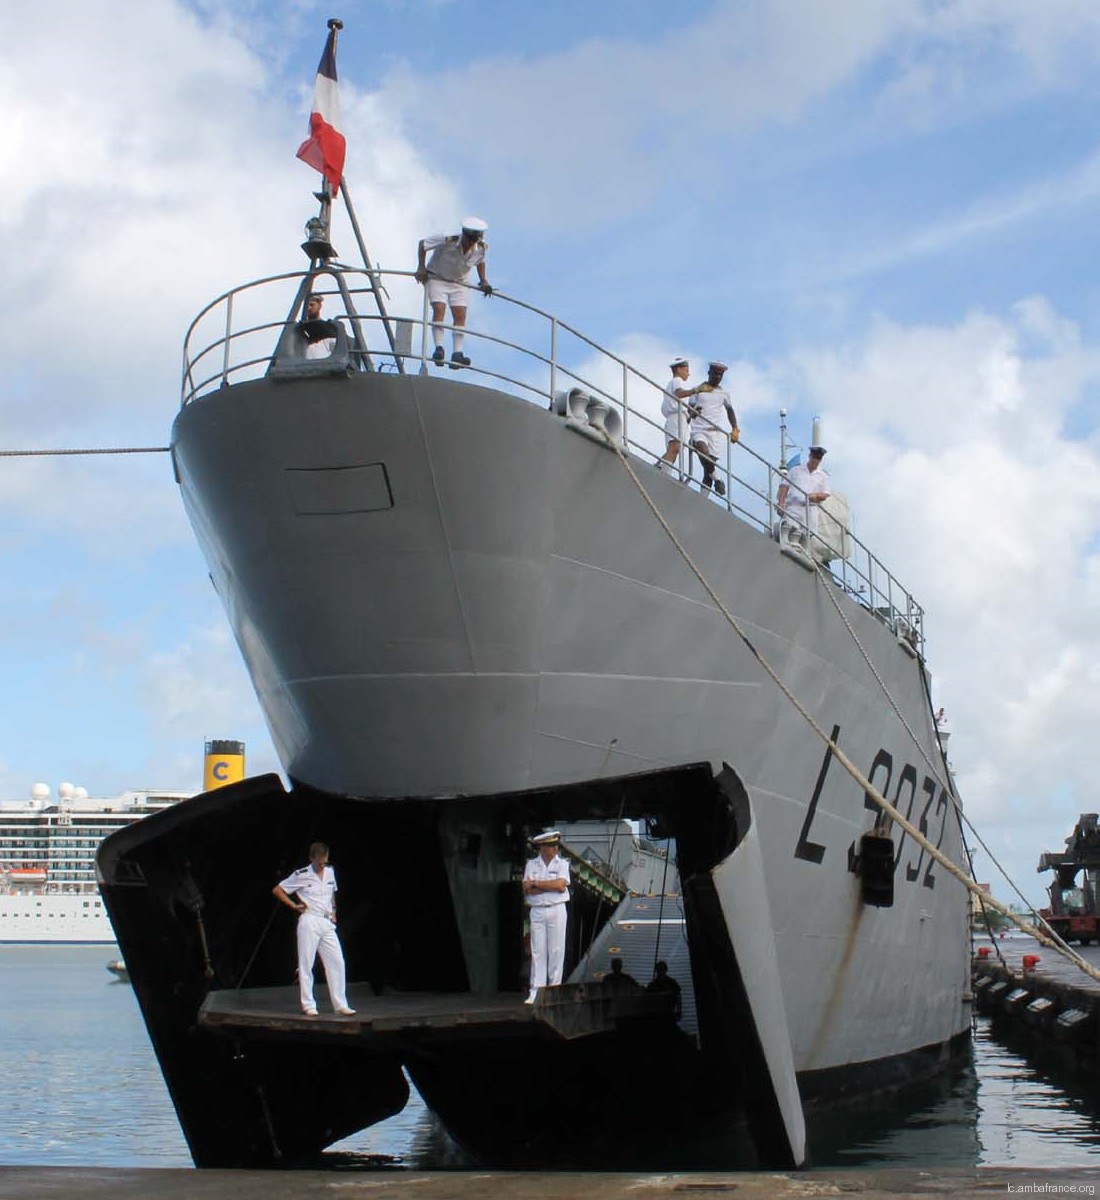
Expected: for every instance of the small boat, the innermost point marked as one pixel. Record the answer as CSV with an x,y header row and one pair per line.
x,y
27,875
118,969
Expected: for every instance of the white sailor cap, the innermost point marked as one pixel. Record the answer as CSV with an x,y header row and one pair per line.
x,y
474,224
547,838
678,362
717,365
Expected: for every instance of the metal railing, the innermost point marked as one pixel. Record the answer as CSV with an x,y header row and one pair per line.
x,y
232,340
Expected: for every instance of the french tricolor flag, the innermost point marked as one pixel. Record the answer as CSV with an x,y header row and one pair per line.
x,y
324,149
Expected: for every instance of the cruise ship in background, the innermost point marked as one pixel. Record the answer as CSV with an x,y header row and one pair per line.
x,y
48,890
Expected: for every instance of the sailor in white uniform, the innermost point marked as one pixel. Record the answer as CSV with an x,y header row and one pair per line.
x,y
676,412
311,893
807,487
444,277
546,890
708,437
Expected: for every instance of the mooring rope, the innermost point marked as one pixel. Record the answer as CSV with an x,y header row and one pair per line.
x,y
84,450
876,796
945,785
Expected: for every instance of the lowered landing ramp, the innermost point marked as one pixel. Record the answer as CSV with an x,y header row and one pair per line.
x,y
570,1011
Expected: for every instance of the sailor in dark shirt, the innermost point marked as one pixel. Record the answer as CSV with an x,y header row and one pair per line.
x,y
318,334
663,982
619,980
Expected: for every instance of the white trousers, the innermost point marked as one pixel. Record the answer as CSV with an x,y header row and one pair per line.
x,y
317,935
547,944
804,515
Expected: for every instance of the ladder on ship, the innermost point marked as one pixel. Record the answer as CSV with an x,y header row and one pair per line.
x,y
599,880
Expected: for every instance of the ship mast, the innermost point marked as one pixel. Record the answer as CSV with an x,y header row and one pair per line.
x,y
318,247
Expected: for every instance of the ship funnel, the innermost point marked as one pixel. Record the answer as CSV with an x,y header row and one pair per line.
x,y
224,764
815,439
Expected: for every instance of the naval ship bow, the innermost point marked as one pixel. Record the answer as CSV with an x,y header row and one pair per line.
x,y
467,603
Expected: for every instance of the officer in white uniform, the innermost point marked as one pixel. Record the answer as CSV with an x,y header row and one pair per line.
x,y
546,890
674,408
806,488
708,436
444,277
311,893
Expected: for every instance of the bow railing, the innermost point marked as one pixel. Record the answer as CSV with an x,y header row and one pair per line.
x,y
532,354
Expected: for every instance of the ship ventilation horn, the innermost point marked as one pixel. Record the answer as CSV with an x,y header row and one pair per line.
x,y
589,414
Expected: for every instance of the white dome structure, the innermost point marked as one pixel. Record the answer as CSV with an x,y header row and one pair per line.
x,y
65,791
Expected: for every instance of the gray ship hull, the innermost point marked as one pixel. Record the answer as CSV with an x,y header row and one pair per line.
x,y
441,590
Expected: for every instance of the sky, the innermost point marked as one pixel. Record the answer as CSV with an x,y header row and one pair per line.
x,y
879,211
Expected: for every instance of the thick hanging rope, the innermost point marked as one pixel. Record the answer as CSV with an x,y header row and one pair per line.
x,y
92,450
864,783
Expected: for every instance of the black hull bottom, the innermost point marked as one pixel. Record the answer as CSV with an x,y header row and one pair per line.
x,y
431,929
630,1102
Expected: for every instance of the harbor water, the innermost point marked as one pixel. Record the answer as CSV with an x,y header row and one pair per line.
x,y
84,1090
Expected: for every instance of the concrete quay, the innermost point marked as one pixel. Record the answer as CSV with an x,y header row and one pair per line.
x,y
1049,1006
81,1183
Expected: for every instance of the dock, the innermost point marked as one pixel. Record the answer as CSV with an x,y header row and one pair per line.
x,y
1040,996
79,1183
569,1011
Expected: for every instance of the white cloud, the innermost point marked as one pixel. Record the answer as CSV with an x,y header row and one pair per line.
x,y
198,688
592,133
1055,38
139,184
147,161
578,134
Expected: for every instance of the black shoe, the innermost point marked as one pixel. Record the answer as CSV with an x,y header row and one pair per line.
x,y
706,484
438,355
458,360
719,487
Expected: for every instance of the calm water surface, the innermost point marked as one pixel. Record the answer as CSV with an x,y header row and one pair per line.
x,y
82,1087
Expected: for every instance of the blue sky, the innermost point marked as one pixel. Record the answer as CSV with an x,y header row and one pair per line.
x,y
880,210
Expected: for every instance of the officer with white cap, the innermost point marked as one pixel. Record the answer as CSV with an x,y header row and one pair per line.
x,y
675,410
708,437
444,276
546,891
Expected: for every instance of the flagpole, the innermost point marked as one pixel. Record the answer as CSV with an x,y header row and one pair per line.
x,y
371,275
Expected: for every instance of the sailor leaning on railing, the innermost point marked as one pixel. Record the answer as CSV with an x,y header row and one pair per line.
x,y
444,278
